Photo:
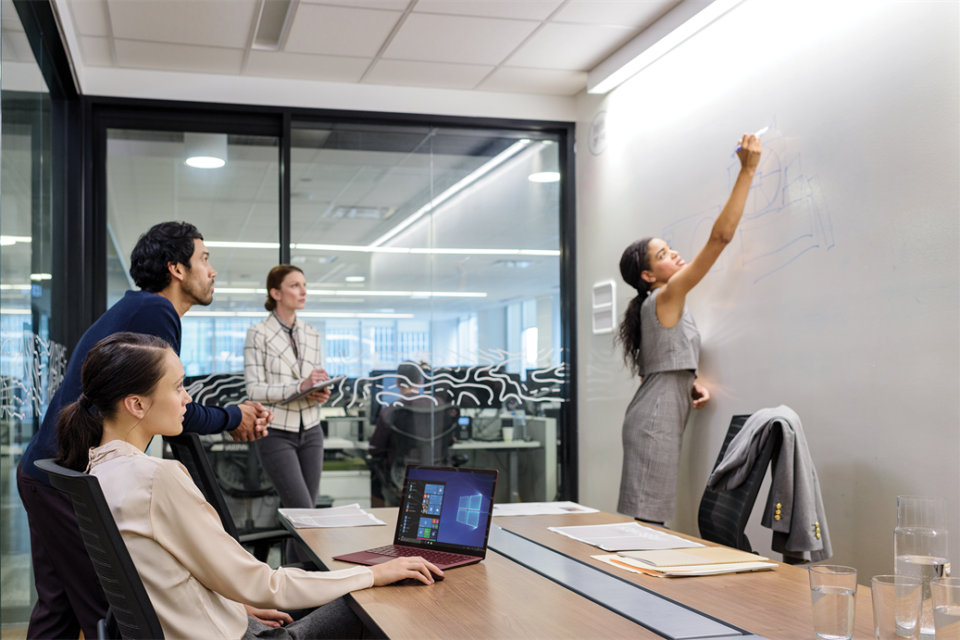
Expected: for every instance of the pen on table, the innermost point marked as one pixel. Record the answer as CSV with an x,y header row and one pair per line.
x,y
757,134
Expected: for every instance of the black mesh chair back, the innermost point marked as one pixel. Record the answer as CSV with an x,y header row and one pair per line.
x,y
188,451
423,435
129,604
724,513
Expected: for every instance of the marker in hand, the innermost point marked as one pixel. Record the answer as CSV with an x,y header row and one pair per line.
x,y
757,134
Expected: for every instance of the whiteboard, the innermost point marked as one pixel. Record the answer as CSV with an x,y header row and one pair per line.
x,y
840,295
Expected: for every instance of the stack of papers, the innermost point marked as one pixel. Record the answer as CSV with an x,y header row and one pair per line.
x,y
623,536
705,561
540,509
349,516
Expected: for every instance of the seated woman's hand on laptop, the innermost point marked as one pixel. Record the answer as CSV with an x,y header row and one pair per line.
x,y
403,568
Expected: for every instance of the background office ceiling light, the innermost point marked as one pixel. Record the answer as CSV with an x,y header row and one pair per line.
x,y
545,176
205,150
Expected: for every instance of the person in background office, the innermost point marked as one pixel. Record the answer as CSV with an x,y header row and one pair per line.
x,y
281,357
201,582
662,345
409,379
170,263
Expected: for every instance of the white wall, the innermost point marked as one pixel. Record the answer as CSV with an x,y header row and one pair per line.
x,y
841,295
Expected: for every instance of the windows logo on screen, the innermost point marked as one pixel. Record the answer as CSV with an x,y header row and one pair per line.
x,y
468,512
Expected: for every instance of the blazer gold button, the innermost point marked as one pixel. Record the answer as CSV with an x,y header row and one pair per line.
x,y
776,517
818,536
779,505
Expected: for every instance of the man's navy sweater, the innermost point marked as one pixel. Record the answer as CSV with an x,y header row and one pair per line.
x,y
138,312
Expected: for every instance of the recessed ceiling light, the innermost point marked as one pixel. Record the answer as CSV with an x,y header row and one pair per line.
x,y
40,276
545,176
355,279
6,241
205,150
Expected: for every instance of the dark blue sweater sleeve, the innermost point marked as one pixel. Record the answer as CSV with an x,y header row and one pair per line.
x,y
203,420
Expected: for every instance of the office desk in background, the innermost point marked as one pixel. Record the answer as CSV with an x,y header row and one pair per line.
x,y
499,598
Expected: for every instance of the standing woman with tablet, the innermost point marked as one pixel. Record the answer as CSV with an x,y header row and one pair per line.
x,y
662,345
281,357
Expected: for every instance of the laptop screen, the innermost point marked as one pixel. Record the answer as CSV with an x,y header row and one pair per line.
x,y
447,509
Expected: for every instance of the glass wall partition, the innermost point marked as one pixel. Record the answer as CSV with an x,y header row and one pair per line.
x,y
439,248
432,247
152,178
31,364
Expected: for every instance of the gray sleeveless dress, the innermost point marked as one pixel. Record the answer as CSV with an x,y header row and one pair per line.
x,y
655,420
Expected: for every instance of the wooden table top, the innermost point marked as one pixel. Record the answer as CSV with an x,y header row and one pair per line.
x,y
494,599
774,604
500,599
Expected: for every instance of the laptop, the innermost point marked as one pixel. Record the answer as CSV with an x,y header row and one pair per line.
x,y
444,518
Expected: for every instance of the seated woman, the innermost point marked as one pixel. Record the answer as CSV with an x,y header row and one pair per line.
x,y
201,582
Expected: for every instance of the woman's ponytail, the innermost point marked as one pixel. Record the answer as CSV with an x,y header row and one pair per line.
x,y
118,366
79,428
633,263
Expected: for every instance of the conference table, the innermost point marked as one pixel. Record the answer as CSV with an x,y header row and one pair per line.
x,y
502,598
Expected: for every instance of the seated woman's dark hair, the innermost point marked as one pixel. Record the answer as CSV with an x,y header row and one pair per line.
x,y
164,243
118,366
634,261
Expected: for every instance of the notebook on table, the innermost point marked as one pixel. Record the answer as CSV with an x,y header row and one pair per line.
x,y
444,518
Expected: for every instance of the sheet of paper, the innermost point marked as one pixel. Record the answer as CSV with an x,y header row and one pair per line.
x,y
706,555
347,516
540,509
700,569
634,566
625,536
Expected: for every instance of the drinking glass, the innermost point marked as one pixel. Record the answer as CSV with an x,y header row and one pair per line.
x,y
920,548
896,607
833,590
946,608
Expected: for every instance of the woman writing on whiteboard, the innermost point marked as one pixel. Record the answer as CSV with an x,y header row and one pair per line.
x,y
662,345
281,357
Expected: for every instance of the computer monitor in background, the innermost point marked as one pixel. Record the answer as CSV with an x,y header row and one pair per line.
x,y
384,390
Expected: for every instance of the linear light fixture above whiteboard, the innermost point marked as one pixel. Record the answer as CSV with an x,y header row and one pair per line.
x,y
670,31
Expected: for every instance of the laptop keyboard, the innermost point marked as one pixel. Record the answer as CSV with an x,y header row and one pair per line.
x,y
443,557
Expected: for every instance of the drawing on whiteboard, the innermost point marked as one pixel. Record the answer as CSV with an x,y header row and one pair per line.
x,y
785,216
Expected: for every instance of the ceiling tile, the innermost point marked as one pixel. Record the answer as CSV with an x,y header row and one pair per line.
x,y
302,66
16,47
517,9
169,57
96,51
427,74
387,5
570,46
216,24
638,14
339,30
434,38
90,17
543,81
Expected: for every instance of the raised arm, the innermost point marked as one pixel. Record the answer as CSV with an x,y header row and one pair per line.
x,y
671,299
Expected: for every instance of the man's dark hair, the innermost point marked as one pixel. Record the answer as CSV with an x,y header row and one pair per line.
x,y
411,372
164,243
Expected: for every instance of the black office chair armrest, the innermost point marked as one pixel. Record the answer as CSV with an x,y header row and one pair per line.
x,y
270,537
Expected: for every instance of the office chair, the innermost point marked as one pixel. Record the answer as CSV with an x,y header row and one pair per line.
x,y
131,614
419,435
188,450
723,514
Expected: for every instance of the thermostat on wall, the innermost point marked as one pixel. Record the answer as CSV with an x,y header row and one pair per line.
x,y
604,307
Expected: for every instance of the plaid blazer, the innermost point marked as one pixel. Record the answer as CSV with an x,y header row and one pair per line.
x,y
270,369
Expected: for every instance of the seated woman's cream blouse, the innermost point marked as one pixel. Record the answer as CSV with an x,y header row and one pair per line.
x,y
195,573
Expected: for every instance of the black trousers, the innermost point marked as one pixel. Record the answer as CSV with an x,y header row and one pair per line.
x,y
69,594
